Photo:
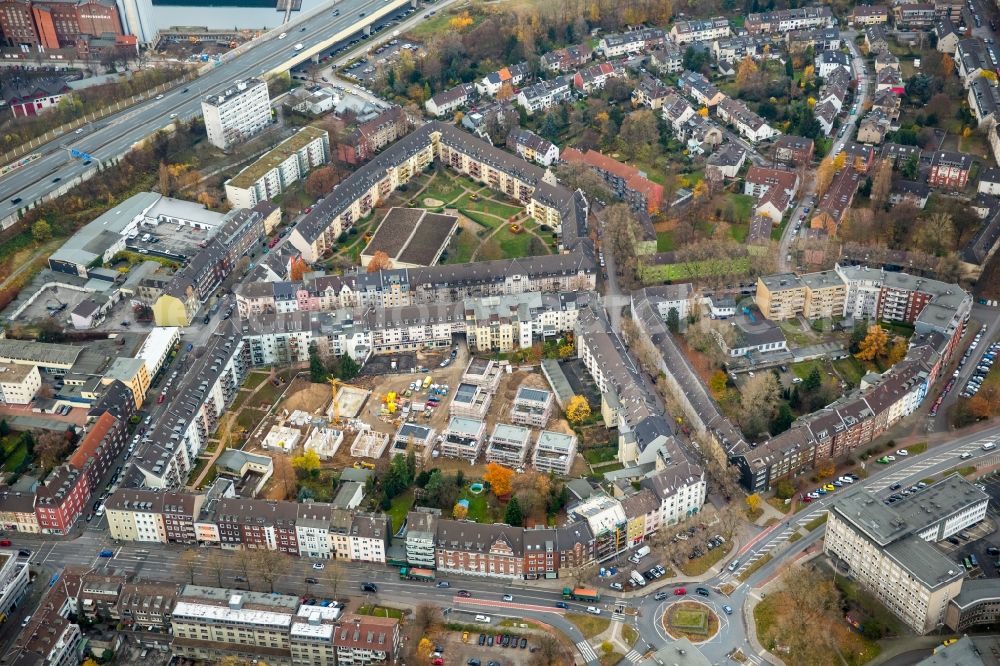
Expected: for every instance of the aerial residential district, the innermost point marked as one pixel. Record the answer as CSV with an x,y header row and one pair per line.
x,y
499,333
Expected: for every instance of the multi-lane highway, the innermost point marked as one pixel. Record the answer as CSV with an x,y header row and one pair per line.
x,y
113,135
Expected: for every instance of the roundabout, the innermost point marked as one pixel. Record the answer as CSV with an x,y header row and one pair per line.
x,y
690,619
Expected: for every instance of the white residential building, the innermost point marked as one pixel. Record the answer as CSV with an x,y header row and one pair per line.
x,y
554,452
18,383
237,113
700,30
285,164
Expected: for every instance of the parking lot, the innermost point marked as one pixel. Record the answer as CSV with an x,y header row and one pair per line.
x,y
169,240
981,357
456,651
365,69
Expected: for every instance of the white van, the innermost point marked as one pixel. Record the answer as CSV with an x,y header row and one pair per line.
x,y
485,619
989,446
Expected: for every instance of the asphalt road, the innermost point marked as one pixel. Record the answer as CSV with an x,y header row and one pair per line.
x,y
158,562
983,314
809,187
113,135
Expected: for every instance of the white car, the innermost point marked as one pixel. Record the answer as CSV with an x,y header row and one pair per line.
x,y
483,618
902,452
593,610
318,565
508,597
283,35
846,479
160,96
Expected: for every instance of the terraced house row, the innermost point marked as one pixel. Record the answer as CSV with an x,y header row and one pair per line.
x,y
600,527
573,271
370,186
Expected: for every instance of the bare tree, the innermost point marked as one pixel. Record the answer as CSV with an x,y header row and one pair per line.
x,y
269,565
550,652
426,618
333,573
216,563
245,563
189,564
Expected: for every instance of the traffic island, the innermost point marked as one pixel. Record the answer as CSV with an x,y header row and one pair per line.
x,y
692,620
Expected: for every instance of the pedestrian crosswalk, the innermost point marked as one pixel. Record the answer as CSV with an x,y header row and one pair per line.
x,y
633,657
618,617
587,651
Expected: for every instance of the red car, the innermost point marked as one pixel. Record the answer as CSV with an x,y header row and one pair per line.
x,y
308,210
680,591
4,543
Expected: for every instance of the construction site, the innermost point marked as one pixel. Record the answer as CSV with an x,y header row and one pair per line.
x,y
454,411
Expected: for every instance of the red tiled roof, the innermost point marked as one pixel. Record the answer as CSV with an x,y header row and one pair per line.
x,y
635,181
88,446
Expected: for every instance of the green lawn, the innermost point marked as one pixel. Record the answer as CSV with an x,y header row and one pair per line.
x,y
794,333
899,328
241,397
817,522
501,210
14,453
742,205
400,507
481,219
268,393
250,418
479,506
700,565
255,379
443,188
665,241
802,370
850,369
589,625
380,611
601,454
461,247
739,232
513,245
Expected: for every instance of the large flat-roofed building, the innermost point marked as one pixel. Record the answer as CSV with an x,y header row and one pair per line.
x,y
509,445
780,296
210,623
237,113
554,452
890,551
18,383
286,163
463,438
411,237
825,293
531,407
47,356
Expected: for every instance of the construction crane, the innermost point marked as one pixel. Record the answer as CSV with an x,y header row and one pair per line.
x,y
334,385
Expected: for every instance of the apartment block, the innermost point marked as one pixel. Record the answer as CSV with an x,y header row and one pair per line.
x,y
780,296
98,450
480,549
463,438
700,30
889,550
210,623
554,452
237,113
787,20
531,407
634,41
509,445
285,164
357,195
61,499
825,295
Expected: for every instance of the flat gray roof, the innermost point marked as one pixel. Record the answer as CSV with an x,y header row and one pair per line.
x,y
939,500
39,353
533,394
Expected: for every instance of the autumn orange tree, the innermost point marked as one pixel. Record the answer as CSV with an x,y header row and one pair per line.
x,y
299,269
500,479
380,262
875,344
